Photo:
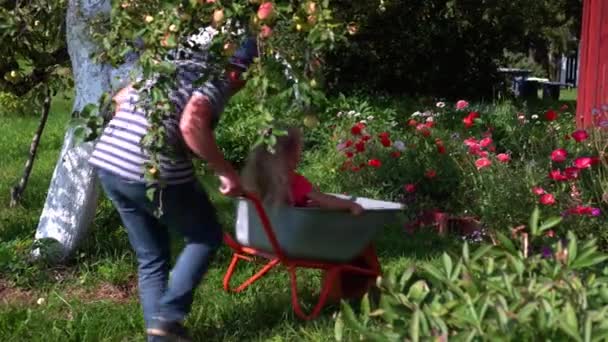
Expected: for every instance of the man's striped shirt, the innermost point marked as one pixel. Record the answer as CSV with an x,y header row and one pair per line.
x,y
119,149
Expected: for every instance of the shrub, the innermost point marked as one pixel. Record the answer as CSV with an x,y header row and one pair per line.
x,y
509,292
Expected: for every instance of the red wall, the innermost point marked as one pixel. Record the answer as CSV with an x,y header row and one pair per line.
x,y
593,79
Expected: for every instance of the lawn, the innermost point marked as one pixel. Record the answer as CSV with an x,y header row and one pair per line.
x,y
94,296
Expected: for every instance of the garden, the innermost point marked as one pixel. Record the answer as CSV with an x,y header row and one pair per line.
x,y
503,235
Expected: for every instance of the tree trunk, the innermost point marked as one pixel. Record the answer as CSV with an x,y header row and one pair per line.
x,y
17,190
72,196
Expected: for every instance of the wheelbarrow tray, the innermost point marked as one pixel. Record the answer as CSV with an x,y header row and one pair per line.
x,y
316,233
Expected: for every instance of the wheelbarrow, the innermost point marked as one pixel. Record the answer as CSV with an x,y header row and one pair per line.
x,y
306,237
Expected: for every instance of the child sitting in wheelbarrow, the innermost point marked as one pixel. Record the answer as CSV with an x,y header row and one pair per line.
x,y
273,177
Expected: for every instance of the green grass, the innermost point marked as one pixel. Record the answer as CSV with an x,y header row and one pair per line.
x,y
80,297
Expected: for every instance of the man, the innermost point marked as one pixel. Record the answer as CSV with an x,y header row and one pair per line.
x,y
186,207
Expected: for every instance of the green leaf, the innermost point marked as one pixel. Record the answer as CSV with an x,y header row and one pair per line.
x,y
447,264
80,134
405,277
339,328
550,223
572,244
465,252
150,193
418,291
533,223
569,323
506,243
480,252
365,308
415,326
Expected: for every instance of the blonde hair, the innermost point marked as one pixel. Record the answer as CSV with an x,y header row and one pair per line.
x,y
267,174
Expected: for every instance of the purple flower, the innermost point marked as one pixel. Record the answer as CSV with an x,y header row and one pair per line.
x,y
596,212
546,252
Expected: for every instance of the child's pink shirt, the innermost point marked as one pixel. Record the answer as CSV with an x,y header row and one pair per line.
x,y
300,189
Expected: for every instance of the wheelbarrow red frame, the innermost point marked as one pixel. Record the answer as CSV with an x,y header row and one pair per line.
x,y
279,258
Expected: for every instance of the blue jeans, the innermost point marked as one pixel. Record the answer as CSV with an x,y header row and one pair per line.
x,y
188,211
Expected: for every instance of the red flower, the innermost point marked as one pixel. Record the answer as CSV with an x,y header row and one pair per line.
x,y
384,135
559,155
557,175
440,149
580,135
356,169
550,233
571,172
360,146
374,163
469,120
265,10
348,143
538,190
547,199
581,210
412,123
386,142
395,154
482,162
483,154
485,142
492,148
551,115
366,138
430,174
503,157
429,124
474,149
349,154
583,163
357,128
410,188
595,161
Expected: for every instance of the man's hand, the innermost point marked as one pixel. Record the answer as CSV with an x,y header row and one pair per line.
x,y
231,184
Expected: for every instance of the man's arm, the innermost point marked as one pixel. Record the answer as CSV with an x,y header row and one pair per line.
x,y
197,130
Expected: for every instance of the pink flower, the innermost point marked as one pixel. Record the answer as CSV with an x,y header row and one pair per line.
x,y
583,163
265,32
557,175
580,135
410,188
503,157
559,155
537,190
462,104
470,142
485,142
571,172
265,10
423,129
547,199
483,154
482,162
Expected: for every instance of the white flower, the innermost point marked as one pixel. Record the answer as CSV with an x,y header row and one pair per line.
x,y
394,123
149,19
440,104
416,114
534,117
351,113
370,118
427,113
357,115
339,114
363,121
399,145
521,117
41,301
429,119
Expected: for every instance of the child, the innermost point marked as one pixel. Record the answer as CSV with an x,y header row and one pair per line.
x,y
273,178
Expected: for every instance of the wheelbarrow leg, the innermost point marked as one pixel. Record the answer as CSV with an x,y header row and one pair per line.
x,y
230,272
330,278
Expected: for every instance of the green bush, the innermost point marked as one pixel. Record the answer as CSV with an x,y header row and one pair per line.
x,y
509,292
